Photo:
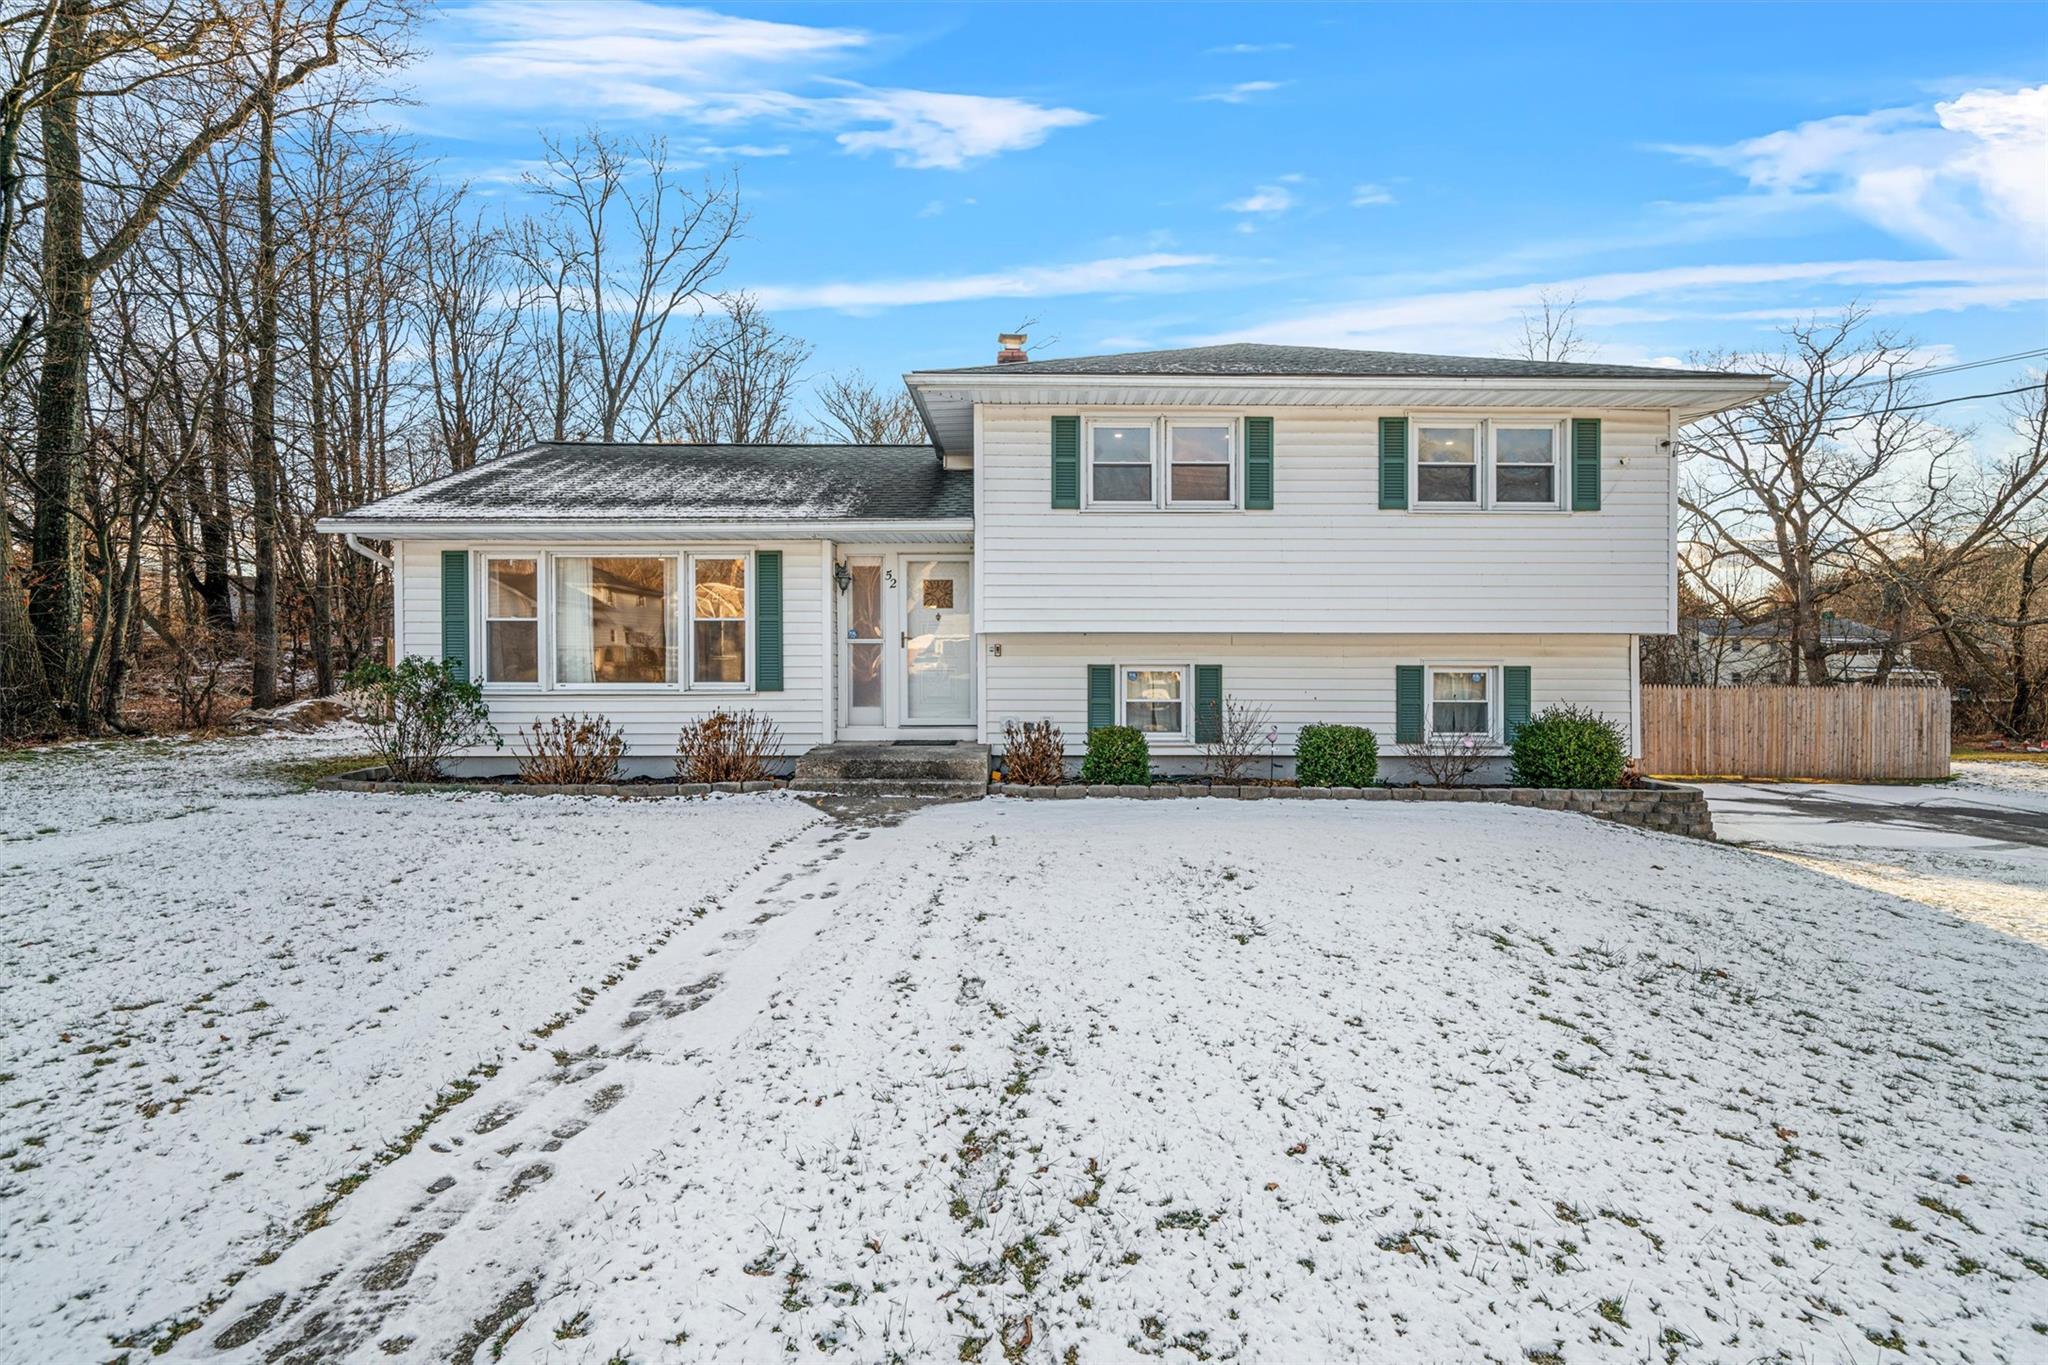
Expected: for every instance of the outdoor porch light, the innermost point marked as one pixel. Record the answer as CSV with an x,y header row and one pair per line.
x,y
842,577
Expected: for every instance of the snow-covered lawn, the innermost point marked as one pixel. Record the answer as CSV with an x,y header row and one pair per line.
x,y
1060,1081
220,994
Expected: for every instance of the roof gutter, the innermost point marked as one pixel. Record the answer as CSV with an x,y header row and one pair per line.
x,y
628,528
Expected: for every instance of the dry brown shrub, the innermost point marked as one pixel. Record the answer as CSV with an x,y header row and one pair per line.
x,y
726,746
1034,753
571,751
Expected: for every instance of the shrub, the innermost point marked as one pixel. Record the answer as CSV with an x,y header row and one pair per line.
x,y
570,751
1240,741
1034,753
1448,759
726,746
1568,746
418,712
1118,757
1336,756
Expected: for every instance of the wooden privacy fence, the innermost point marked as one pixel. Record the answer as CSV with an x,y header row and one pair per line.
x,y
1838,733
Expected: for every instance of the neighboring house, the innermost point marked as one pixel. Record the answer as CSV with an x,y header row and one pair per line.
x,y
1408,542
1721,653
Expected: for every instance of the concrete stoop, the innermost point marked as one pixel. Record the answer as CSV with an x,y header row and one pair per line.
x,y
882,768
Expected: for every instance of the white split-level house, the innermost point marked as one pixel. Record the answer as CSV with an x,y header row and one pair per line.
x,y
1412,543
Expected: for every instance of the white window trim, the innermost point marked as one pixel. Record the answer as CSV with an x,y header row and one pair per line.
x,y
689,615
1162,462
682,619
1477,426
1186,732
1494,701
1486,453
481,649
1088,498
1558,429
1230,427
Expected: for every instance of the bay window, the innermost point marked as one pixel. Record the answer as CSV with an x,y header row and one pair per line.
x,y
614,619
1461,701
512,620
1154,700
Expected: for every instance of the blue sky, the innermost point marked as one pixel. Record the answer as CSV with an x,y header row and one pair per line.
x,y
921,177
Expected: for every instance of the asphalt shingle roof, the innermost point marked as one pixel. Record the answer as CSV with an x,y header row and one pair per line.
x,y
1245,359
692,483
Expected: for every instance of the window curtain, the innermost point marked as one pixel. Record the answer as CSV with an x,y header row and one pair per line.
x,y
574,647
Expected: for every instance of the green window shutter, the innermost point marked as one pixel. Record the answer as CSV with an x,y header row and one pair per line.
x,y
1101,696
1393,463
1585,464
1514,700
1408,704
455,611
1208,703
1258,464
1066,462
767,620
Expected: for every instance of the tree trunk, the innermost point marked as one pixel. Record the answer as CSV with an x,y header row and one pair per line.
x,y
56,588
263,410
2019,717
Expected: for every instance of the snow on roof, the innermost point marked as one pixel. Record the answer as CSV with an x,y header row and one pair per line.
x,y
582,480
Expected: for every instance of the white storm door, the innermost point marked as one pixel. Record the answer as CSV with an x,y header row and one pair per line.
x,y
861,663
938,642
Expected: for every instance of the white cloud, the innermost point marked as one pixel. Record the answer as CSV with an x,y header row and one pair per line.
x,y
932,131
1969,175
1242,92
1484,320
1271,200
1369,194
1116,274
627,58
1247,49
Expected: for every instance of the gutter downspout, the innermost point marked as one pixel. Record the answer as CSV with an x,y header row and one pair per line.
x,y
355,542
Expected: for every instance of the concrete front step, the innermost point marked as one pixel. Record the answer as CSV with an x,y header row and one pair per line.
x,y
883,786
876,766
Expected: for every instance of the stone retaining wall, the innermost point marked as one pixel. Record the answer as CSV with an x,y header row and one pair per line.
x,y
1663,806
374,780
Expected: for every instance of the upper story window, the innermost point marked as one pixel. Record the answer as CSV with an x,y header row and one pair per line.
x,y
1447,465
1120,462
1198,461
1161,462
1495,462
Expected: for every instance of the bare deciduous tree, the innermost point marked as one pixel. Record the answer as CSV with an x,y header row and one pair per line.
x,y
857,410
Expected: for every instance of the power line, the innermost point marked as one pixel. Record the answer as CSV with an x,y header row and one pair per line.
x,y
1948,369
1964,398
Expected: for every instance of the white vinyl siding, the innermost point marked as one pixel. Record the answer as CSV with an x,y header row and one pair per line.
x,y
1298,678
1326,559
649,715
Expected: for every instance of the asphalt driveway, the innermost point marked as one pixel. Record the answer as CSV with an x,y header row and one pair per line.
x,y
1976,847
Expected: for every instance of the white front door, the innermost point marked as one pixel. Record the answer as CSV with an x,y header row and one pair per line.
x,y
938,642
